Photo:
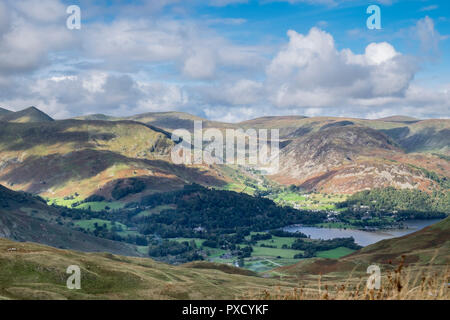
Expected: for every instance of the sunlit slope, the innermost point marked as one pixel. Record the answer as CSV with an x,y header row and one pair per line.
x,y
61,158
26,218
30,114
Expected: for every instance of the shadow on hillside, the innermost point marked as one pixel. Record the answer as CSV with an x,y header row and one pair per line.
x,y
43,173
425,139
23,136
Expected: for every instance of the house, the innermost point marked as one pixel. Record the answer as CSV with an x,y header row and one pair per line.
x,y
199,229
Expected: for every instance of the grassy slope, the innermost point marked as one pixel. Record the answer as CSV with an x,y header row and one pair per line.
x,y
38,272
34,271
24,218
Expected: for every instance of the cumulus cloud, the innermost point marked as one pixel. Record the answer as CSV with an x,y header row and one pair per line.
x,y
131,65
95,92
310,71
25,44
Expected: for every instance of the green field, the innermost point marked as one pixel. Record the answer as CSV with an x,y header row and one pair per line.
x,y
155,210
198,242
274,252
311,201
335,253
277,241
289,196
100,206
90,224
266,264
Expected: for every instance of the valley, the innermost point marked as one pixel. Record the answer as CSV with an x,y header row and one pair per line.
x,y
104,184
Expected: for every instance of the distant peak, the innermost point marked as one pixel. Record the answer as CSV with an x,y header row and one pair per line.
x,y
30,114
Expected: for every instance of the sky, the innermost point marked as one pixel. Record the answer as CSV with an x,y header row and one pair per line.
x,y
227,60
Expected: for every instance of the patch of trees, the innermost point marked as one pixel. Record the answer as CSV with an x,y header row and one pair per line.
x,y
94,198
219,212
174,251
408,203
126,187
286,234
261,236
310,248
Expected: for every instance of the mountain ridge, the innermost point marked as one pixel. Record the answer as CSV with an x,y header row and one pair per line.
x,y
30,114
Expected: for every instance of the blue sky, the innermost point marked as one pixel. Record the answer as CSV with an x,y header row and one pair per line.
x,y
227,60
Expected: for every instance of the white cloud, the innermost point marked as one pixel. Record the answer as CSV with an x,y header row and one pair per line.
x,y
223,3
200,64
132,65
311,72
26,40
42,10
429,8
428,36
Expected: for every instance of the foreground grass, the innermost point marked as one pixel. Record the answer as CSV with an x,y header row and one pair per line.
x,y
32,271
402,283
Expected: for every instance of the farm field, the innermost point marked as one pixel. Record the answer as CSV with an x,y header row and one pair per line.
x,y
310,201
335,253
100,206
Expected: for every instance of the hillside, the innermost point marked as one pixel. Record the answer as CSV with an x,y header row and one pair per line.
x,y
30,114
346,158
26,218
176,120
73,158
4,112
97,116
429,247
320,154
34,271
399,119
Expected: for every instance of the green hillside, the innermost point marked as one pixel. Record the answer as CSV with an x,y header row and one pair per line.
x,y
27,218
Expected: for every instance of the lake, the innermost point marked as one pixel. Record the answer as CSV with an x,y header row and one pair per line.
x,y
363,238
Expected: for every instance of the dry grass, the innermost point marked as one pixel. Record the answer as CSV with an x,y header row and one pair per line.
x,y
401,283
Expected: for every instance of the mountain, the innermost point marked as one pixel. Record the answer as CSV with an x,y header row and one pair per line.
x,y
343,157
4,112
423,136
73,158
30,114
176,120
26,218
97,116
323,154
399,119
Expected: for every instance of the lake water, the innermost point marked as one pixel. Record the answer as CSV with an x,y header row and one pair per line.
x,y
363,238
